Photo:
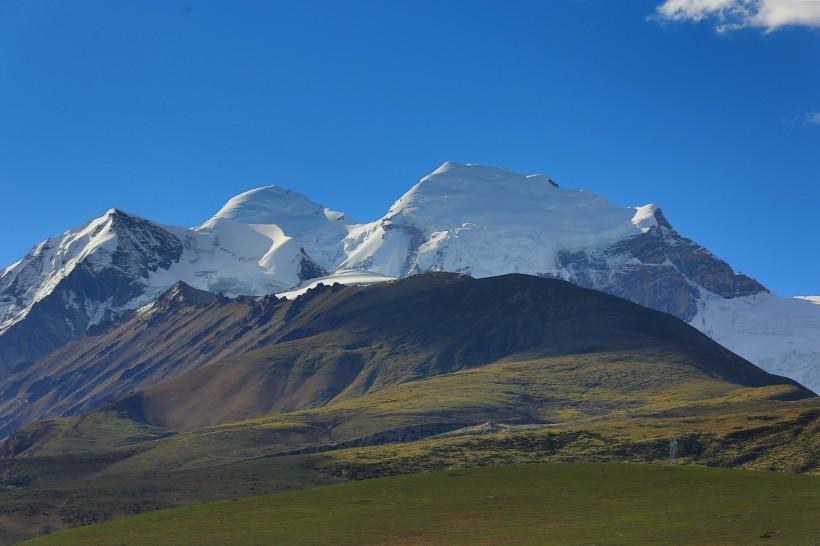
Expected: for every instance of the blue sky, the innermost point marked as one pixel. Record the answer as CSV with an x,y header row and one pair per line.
x,y
166,109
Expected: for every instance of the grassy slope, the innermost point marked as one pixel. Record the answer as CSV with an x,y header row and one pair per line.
x,y
753,435
640,400
555,389
65,501
338,345
757,434
520,504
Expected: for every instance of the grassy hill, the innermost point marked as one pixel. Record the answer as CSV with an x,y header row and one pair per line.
x,y
51,492
345,343
520,504
441,349
537,391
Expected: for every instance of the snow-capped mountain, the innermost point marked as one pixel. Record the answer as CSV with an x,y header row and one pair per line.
x,y
281,232
473,219
486,221
86,276
256,244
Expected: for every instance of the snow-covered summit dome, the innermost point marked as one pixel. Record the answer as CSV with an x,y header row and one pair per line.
x,y
458,195
294,213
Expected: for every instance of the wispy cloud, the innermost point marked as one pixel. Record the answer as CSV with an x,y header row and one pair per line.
x,y
812,118
729,15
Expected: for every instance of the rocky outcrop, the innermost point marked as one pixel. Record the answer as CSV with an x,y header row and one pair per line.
x,y
659,269
87,289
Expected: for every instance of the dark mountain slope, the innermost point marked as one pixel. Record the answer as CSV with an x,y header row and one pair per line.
x,y
183,329
339,343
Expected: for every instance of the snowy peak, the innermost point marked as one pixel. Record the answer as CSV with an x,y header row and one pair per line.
x,y
294,213
279,238
488,221
649,216
179,295
115,241
84,277
465,189
455,196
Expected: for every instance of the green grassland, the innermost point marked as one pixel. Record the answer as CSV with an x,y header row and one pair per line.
x,y
615,406
756,434
519,504
53,503
544,390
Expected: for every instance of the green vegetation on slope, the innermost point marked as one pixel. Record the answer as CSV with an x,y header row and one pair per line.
x,y
68,501
550,389
611,407
521,504
339,344
52,495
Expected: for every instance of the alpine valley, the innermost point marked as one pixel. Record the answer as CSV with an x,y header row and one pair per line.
x,y
251,372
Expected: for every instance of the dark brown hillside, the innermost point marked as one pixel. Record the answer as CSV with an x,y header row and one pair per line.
x,y
182,330
339,343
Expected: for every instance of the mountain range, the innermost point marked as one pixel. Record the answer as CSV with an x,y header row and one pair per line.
x,y
468,219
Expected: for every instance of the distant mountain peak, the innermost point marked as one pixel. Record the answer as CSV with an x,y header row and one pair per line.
x,y
485,171
180,294
486,221
289,209
184,292
118,214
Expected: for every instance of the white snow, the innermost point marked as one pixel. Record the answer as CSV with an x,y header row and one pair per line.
x,y
254,245
51,260
781,335
486,221
266,230
344,276
645,217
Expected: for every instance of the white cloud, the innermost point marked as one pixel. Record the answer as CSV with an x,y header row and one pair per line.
x,y
813,118
735,14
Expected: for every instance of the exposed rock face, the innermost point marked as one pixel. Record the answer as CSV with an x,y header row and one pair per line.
x,y
86,287
309,269
659,269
